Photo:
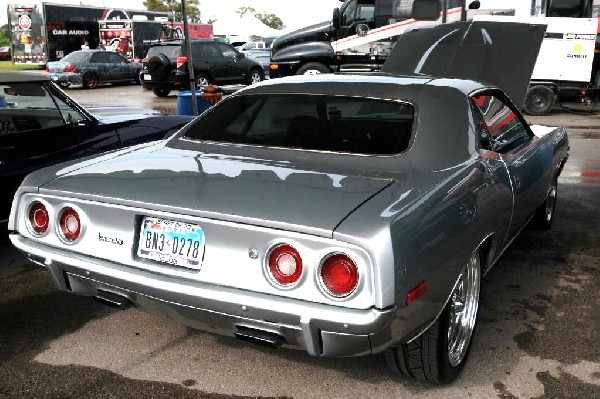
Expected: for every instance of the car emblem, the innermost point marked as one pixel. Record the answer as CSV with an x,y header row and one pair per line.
x,y
253,253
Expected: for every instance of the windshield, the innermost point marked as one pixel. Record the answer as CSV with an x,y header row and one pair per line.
x,y
315,122
77,56
172,51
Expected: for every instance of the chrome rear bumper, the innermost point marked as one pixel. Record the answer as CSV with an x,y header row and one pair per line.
x,y
321,330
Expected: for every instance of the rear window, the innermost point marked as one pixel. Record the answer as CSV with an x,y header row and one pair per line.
x,y
171,52
77,56
315,122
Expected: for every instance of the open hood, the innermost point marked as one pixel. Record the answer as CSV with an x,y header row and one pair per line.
x,y
501,53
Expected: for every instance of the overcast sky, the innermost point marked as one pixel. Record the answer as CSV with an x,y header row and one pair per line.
x,y
294,14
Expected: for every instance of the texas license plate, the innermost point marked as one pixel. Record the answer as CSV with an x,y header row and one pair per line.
x,y
172,242
147,77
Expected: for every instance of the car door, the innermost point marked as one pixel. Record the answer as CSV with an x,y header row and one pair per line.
x,y
118,67
215,62
100,65
526,160
236,69
39,127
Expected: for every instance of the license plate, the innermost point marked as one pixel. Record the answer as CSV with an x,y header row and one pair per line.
x,y
147,77
172,242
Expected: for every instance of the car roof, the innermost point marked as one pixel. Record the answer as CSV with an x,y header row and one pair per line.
x,y
374,85
180,42
19,77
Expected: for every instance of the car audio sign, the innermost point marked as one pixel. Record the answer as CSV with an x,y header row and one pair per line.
x,y
25,22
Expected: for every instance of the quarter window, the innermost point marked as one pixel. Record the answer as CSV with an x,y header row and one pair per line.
x,y
27,106
505,129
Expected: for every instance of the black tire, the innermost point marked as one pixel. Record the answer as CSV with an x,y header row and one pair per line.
x,y
427,357
64,85
539,100
313,68
159,67
202,80
544,215
89,81
254,76
161,92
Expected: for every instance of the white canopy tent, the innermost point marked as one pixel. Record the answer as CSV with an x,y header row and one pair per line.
x,y
242,28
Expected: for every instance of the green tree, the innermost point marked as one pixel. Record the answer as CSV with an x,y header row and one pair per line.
x,y
270,20
4,35
174,7
243,10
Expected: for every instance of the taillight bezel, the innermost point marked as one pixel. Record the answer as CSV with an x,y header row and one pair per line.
x,y
323,286
49,215
58,224
269,274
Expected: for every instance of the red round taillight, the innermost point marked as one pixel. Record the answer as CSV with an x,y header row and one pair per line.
x,y
39,220
285,265
339,275
70,225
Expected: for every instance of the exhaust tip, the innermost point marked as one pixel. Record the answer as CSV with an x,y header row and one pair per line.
x,y
259,337
113,300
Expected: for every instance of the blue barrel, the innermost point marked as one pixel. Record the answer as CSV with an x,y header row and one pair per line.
x,y
184,103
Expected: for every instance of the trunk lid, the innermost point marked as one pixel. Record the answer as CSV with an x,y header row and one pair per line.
x,y
501,53
247,190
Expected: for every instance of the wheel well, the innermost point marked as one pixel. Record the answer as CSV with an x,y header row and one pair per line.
x,y
485,251
551,85
560,167
205,73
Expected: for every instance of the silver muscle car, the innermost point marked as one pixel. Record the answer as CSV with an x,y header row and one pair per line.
x,y
343,215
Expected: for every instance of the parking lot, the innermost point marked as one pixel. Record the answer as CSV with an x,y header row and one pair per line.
x,y
537,335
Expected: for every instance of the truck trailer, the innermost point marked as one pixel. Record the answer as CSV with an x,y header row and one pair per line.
x,y
361,34
42,32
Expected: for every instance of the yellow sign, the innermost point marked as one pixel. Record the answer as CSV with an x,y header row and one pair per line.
x,y
578,48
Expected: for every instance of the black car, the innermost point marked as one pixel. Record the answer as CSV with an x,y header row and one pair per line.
x,y
214,62
40,125
93,67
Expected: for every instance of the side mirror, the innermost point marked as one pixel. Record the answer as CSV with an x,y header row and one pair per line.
x,y
335,21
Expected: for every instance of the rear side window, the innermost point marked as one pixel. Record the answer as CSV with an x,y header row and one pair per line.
x,y
100,57
77,56
314,122
172,52
504,127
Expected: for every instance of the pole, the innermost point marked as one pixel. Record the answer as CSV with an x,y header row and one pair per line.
x,y
190,61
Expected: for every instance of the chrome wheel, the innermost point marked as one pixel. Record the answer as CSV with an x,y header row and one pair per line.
x,y
550,202
255,77
464,302
202,81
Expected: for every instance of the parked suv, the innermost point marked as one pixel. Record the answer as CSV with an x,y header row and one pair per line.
x,y
214,63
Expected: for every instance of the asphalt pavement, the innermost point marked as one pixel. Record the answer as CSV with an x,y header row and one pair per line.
x,y
538,334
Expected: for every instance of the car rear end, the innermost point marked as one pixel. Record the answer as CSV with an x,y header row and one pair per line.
x,y
295,288
70,69
164,67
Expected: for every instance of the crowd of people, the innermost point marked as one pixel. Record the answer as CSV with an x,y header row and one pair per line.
x,y
121,46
